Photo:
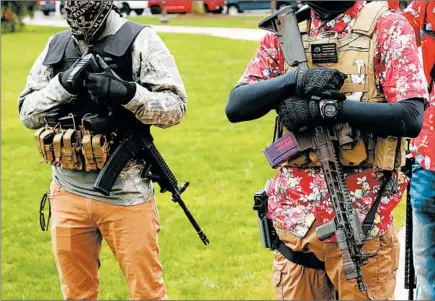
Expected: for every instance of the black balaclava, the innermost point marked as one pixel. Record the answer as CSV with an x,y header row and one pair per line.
x,y
328,10
87,19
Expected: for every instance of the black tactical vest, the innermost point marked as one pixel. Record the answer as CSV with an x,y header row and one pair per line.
x,y
114,49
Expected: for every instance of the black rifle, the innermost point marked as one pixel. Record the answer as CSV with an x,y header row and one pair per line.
x,y
346,224
268,234
410,279
139,145
87,63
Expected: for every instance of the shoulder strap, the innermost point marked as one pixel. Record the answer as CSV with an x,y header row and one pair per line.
x,y
118,45
304,27
57,47
123,38
368,17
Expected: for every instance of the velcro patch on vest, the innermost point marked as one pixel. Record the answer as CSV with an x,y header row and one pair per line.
x,y
324,53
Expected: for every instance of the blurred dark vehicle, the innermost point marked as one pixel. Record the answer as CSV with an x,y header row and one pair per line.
x,y
49,6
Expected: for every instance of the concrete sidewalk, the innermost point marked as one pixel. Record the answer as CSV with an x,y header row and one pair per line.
x,y
238,34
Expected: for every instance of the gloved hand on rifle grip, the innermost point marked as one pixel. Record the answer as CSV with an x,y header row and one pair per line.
x,y
316,80
108,88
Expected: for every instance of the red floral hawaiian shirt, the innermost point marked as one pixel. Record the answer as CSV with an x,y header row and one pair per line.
x,y
421,15
299,196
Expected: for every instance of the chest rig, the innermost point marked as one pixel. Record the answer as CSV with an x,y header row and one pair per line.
x,y
354,56
67,140
114,49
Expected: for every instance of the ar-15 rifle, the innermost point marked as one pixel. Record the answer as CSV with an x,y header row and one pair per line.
x,y
346,224
139,145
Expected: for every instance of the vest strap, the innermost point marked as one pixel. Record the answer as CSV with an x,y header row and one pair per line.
x,y
119,44
57,48
123,38
368,17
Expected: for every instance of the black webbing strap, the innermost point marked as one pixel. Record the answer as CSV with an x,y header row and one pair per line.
x,y
370,217
307,260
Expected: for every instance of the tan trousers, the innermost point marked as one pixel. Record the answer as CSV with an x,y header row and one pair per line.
x,y
78,227
295,282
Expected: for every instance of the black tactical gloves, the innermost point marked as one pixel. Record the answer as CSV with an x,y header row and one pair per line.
x,y
104,87
252,101
295,113
316,80
108,88
305,111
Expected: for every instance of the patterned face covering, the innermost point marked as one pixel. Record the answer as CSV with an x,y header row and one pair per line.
x,y
328,10
86,18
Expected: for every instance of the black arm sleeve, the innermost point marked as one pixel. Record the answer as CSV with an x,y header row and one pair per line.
x,y
402,119
252,101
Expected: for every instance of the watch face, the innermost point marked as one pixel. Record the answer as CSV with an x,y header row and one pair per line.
x,y
329,110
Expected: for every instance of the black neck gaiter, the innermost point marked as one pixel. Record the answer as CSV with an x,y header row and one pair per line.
x,y
328,10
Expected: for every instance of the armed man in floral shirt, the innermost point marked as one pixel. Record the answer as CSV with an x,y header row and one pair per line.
x,y
374,43
144,82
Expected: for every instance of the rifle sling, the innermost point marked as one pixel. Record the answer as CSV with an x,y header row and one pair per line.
x,y
308,260
370,217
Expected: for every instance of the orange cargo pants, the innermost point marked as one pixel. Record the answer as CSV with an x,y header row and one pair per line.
x,y
78,227
295,282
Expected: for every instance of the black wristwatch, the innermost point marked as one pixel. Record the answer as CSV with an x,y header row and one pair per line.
x,y
329,108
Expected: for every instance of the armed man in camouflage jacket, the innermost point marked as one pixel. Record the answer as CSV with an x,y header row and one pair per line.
x,y
149,86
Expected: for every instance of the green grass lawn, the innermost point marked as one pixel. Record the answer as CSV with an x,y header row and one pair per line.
x,y
208,20
223,162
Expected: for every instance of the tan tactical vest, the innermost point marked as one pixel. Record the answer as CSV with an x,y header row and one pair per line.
x,y
355,58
